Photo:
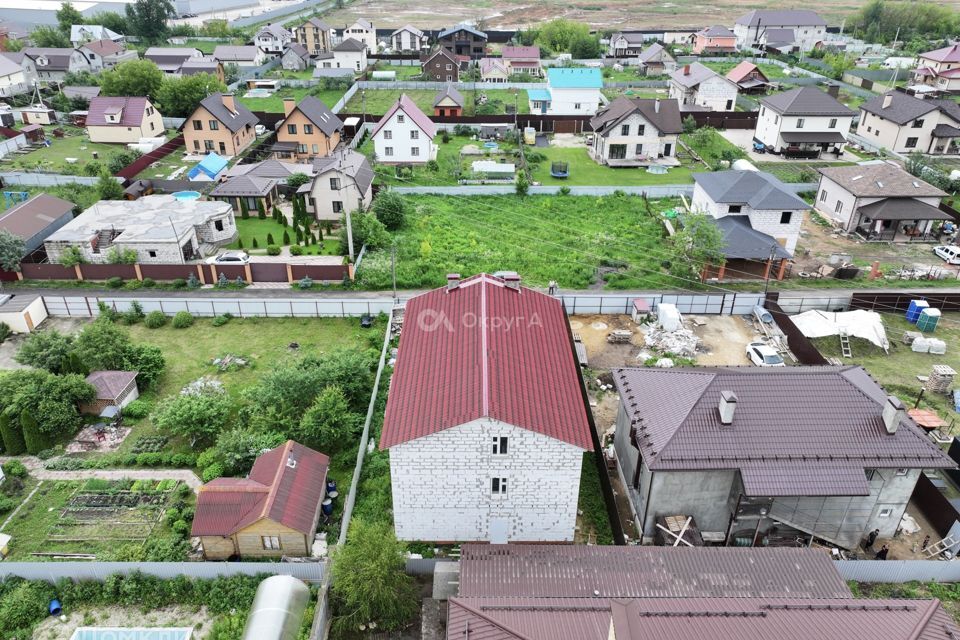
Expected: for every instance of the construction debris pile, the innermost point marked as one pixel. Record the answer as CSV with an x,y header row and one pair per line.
x,y
669,336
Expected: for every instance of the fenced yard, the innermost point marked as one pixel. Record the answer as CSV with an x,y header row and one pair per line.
x,y
379,101
274,102
71,154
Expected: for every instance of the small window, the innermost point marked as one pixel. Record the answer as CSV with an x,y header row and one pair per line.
x,y
911,143
388,151
401,119
800,122
218,225
449,67
839,206
308,129
315,148
498,486
735,208
499,445
292,129
869,129
823,195
214,125
885,513
208,145
415,151
901,472
776,119
152,254
639,149
270,543
387,134
337,206
198,125
624,129
785,217
641,129
833,123
576,105
414,135
334,183
152,127
918,123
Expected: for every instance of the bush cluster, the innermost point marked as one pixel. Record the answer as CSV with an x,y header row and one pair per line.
x,y
108,460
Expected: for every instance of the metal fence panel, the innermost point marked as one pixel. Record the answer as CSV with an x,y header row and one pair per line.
x,y
898,571
52,571
242,307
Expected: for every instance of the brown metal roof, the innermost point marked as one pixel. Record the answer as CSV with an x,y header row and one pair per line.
x,y
646,572
717,618
785,417
29,218
880,180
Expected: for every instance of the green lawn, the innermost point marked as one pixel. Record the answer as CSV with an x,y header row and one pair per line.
x,y
274,103
897,370
797,171
165,167
772,71
712,147
53,159
379,101
585,172
449,164
206,46
265,341
612,93
404,72
254,227
543,238
305,74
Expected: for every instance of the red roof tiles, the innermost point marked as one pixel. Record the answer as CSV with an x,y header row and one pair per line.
x,y
485,350
286,485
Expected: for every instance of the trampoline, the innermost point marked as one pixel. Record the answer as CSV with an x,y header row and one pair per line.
x,y
559,170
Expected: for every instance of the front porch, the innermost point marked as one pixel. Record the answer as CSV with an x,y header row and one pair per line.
x,y
811,145
900,220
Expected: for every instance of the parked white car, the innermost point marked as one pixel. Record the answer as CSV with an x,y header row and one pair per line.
x,y
229,257
763,355
949,253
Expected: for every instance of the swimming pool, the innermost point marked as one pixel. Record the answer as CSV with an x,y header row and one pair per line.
x,y
132,633
258,93
186,195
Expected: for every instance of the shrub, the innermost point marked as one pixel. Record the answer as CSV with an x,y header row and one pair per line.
x,y
14,469
179,283
296,250
149,444
564,191
286,237
5,331
193,282
254,244
8,504
148,283
52,452
182,320
445,137
134,314
137,409
305,283
270,239
390,209
273,250
155,319
115,282
219,321
212,472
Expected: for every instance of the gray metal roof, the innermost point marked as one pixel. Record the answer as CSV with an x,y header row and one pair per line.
x,y
693,76
806,101
758,189
782,18
461,27
880,179
653,51
234,121
350,44
902,108
778,36
451,92
812,136
349,163
903,209
716,31
230,53
743,242
320,115
579,571
816,424
245,185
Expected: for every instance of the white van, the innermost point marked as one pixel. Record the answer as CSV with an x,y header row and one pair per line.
x,y
949,253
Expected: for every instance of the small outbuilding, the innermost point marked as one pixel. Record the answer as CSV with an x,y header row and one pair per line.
x,y
114,388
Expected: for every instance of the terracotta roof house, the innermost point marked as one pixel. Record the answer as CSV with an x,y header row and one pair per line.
x,y
697,87
636,132
220,124
903,123
940,69
448,102
809,29
706,443
522,59
712,40
464,40
440,66
404,135
106,54
36,219
749,78
804,122
343,181
408,39
880,201
272,512
486,427
122,120
170,59
309,130
114,388
655,60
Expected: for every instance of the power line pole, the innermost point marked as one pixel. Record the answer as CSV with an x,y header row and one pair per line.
x,y
393,269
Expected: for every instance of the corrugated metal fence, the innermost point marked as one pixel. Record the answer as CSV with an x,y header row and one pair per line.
x,y
898,571
706,304
86,306
44,179
52,571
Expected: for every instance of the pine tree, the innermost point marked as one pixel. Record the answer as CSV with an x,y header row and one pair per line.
x,y
240,243
244,211
35,440
299,236
261,213
255,245
269,239
286,237
13,444
276,214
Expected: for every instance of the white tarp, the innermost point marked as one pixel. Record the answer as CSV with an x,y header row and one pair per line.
x,y
860,323
668,317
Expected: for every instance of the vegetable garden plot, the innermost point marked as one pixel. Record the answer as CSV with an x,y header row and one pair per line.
x,y
111,515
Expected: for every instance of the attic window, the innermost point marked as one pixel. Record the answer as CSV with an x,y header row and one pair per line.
x,y
916,185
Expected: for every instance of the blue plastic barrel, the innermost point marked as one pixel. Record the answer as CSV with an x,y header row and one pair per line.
x,y
55,608
331,485
327,506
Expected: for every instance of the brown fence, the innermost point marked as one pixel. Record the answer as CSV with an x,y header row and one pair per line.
x,y
107,271
800,344
34,271
268,272
130,171
168,271
934,505
894,302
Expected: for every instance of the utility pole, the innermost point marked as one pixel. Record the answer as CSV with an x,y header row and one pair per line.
x,y
393,270
766,278
349,236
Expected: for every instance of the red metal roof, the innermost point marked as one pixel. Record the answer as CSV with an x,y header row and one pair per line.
x,y
286,485
480,350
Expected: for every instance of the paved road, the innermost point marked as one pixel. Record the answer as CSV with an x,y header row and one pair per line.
x,y
35,466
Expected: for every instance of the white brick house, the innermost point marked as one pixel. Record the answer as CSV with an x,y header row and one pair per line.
x,y
695,85
807,28
485,421
803,120
404,135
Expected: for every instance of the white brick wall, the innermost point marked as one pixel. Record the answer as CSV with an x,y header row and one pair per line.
x,y
653,144
764,221
442,485
401,143
717,93
771,124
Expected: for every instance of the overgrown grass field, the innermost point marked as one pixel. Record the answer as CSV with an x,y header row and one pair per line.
x,y
379,101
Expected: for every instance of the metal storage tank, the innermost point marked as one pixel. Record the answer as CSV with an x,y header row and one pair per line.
x,y
277,610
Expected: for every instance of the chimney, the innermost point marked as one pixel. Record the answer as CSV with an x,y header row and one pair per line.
x,y
289,104
728,404
228,102
833,90
656,106
893,414
686,69
453,281
512,281
887,100
291,462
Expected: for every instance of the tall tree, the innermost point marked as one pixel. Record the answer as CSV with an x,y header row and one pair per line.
x,y
148,18
132,78
45,350
12,249
111,20
67,16
178,97
45,36
108,188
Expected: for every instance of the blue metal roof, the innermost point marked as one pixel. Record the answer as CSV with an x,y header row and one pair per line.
x,y
579,78
539,95
212,165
